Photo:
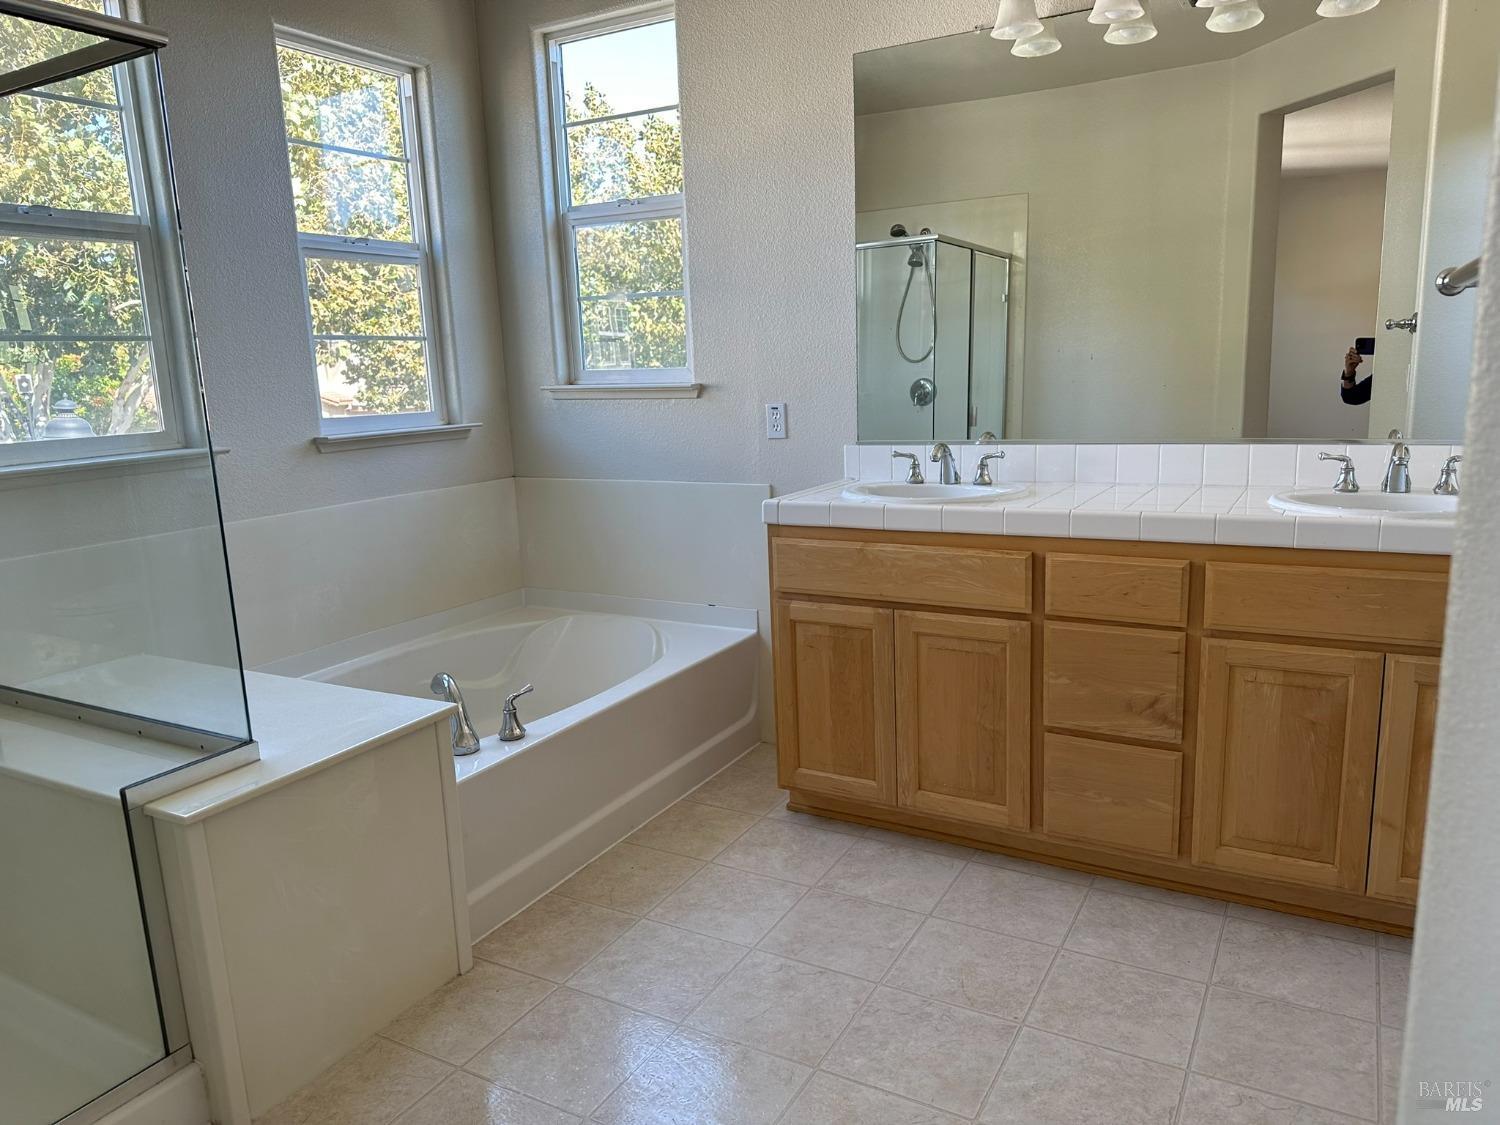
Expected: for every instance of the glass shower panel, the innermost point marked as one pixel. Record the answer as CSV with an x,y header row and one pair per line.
x,y
896,288
988,377
955,273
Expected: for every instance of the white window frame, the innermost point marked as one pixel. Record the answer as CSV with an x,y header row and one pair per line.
x,y
153,230
424,251
565,219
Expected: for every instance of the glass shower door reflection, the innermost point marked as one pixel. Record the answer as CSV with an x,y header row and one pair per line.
x,y
896,337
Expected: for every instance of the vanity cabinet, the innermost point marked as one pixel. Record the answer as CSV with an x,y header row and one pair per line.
x,y
1254,723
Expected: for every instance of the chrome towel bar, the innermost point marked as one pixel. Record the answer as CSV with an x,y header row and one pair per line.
x,y
1455,279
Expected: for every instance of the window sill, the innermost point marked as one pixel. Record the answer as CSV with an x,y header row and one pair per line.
x,y
109,465
366,439
623,390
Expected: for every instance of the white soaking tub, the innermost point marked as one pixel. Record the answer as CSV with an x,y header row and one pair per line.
x,y
630,710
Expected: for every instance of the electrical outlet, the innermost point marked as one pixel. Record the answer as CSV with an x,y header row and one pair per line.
x,y
775,420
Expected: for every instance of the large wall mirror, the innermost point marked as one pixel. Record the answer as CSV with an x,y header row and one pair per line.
x,y
1184,227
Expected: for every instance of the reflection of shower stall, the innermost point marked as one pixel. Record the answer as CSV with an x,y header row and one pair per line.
x,y
933,330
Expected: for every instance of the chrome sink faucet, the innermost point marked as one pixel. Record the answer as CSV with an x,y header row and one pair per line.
x,y
1398,469
1346,481
915,475
942,457
465,741
982,478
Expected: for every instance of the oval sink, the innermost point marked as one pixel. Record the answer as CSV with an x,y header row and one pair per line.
x,y
932,493
1407,505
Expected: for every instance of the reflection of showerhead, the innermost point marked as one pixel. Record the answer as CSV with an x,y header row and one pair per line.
x,y
918,256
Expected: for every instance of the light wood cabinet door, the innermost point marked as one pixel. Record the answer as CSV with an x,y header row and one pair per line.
x,y
1407,724
963,717
1286,761
835,700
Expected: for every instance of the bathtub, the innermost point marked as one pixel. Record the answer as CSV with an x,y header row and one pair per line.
x,y
633,704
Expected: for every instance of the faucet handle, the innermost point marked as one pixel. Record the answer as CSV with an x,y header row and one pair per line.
x,y
510,700
982,476
1346,481
1447,484
511,728
915,475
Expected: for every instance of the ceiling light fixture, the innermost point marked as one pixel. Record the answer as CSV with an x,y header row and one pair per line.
x,y
1128,32
1335,8
1239,15
1017,19
1113,11
1044,42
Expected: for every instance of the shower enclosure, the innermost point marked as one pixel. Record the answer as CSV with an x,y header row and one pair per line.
x,y
120,675
932,323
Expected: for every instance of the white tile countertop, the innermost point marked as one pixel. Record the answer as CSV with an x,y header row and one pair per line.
x,y
1195,494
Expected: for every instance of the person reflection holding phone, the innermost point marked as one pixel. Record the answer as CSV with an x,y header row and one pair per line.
x,y
1356,392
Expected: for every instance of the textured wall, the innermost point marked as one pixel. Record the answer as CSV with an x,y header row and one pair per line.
x,y
223,105
768,108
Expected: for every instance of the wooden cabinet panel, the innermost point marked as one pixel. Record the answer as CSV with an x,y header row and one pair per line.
x,y
1325,602
1286,761
962,577
1123,682
963,706
1105,793
1408,723
1144,591
834,700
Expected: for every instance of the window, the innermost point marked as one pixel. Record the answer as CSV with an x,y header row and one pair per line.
x,y
93,340
617,156
352,134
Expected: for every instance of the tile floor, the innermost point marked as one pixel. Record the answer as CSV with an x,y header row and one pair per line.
x,y
732,962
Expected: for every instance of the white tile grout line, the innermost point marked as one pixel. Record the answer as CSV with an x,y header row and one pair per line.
x,y
1187,1071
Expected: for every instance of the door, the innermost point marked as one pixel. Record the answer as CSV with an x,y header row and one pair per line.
x,y
834,691
1286,761
1408,721
963,717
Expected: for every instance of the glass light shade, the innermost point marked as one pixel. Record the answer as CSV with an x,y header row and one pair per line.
x,y
1016,19
1241,15
1335,8
1113,11
1126,32
1044,42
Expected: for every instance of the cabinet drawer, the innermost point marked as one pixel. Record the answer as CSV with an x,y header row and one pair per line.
x,y
1119,796
1326,602
1123,682
961,577
1146,591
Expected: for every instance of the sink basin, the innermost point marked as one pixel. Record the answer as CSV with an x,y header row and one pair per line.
x,y
932,493
1408,505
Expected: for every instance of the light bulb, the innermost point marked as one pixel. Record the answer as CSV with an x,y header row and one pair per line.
x,y
1335,8
1113,11
1044,42
1126,32
1016,20
1240,15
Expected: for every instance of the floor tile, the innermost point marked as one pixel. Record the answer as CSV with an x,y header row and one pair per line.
x,y
458,1019
1013,903
823,823
1391,1042
762,757
571,1050
1211,1102
375,1083
786,851
658,969
1159,894
846,935
830,1100
1149,935
629,878
691,829
1298,922
706,1081
1298,967
1048,1080
973,968
1120,1007
781,1006
463,1099
1316,1057
553,937
1395,973
920,843
733,905
922,1049
891,874
743,787
1032,867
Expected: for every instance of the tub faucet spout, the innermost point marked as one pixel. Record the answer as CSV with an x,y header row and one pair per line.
x,y
465,741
